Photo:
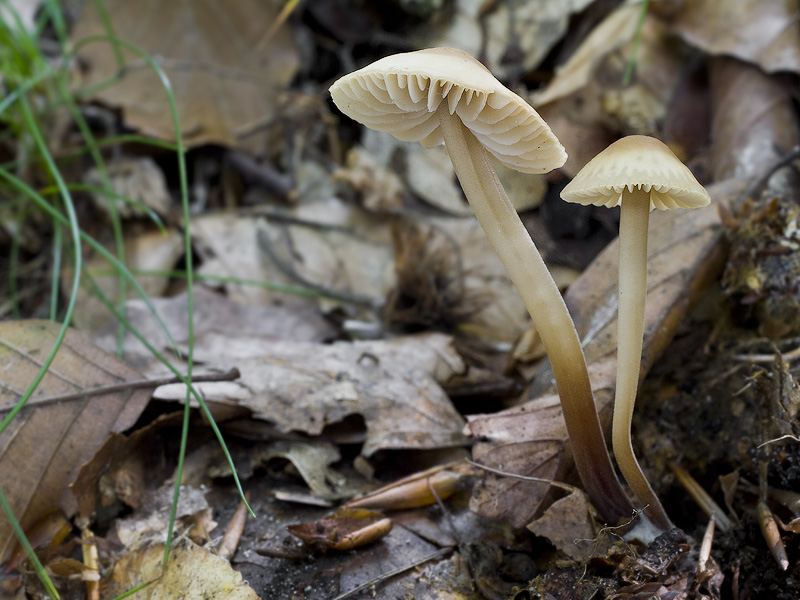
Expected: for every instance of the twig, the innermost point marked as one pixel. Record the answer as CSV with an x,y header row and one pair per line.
x,y
769,358
266,245
702,497
705,546
762,181
233,535
558,484
391,574
128,385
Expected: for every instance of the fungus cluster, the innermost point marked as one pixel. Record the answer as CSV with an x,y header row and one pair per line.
x,y
445,95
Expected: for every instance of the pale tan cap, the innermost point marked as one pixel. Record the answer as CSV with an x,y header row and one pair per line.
x,y
400,94
637,161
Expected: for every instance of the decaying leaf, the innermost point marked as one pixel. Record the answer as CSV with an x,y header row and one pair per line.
x,y
325,244
586,100
346,529
194,573
617,29
754,122
526,31
243,324
149,524
146,249
43,448
312,459
762,33
137,179
567,523
224,77
306,387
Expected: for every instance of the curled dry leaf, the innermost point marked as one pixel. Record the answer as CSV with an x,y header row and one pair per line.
x,y
762,33
569,525
586,101
526,31
345,529
393,385
43,448
754,121
617,29
243,324
419,489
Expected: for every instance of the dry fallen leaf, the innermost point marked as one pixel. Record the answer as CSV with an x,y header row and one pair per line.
x,y
526,31
346,529
148,525
243,324
568,524
225,78
194,573
146,249
762,33
616,30
43,448
754,122
393,385
327,243
138,179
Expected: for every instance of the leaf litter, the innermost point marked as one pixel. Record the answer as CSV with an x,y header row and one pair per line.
x,y
385,249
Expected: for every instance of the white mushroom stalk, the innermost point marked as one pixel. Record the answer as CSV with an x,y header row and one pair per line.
x,y
444,94
638,173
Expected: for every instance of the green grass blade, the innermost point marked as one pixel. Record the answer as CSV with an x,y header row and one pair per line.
x,y
26,546
94,244
637,39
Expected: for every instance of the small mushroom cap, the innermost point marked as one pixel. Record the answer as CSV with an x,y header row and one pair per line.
x,y
636,161
400,94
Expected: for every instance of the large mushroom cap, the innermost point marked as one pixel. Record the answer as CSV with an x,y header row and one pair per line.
x,y
400,94
636,161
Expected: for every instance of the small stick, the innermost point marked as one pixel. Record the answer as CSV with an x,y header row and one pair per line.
x,y
769,358
769,529
766,520
128,385
705,546
558,484
703,499
233,535
391,574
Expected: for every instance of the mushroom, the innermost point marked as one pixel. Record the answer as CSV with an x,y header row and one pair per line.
x,y
443,94
638,173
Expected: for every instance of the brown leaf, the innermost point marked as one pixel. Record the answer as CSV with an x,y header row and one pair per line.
x,y
43,448
194,573
222,74
568,524
345,529
763,33
213,313
754,120
525,440
393,385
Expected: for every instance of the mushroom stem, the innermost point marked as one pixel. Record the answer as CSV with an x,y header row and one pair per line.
x,y
634,222
524,265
